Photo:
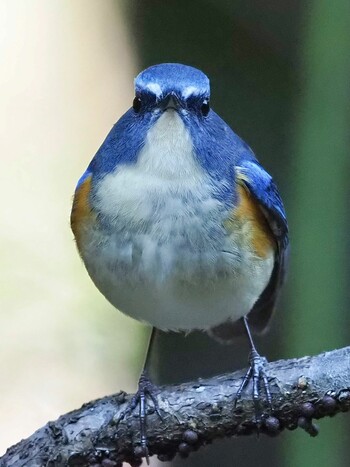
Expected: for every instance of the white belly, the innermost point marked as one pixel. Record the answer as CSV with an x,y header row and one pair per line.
x,y
160,252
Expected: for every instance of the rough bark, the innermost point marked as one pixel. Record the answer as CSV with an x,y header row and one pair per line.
x,y
194,414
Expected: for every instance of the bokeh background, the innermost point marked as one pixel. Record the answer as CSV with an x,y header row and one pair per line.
x,y
280,73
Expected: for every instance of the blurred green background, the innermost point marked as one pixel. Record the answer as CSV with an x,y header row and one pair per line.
x,y
280,74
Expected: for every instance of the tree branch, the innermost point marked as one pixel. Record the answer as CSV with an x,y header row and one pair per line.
x,y
194,414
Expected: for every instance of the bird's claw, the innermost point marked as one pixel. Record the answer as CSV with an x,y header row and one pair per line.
x,y
257,374
146,390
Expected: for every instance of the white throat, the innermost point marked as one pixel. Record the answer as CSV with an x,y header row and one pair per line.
x,y
168,150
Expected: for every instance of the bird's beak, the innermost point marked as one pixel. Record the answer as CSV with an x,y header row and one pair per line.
x,y
172,103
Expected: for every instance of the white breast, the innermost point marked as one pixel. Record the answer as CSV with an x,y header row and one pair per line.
x,y
161,254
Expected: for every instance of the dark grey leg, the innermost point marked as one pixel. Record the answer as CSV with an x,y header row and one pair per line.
x,y
257,374
146,390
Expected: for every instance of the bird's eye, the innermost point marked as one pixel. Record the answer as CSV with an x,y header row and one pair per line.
x,y
205,107
136,104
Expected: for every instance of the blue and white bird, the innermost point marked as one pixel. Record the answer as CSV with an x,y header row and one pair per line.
x,y
177,223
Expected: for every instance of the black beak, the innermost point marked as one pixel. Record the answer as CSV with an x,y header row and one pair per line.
x,y
171,102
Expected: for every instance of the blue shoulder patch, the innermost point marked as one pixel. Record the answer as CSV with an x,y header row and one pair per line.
x,y
264,190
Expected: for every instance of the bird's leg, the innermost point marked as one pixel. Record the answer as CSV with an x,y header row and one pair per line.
x,y
146,390
257,374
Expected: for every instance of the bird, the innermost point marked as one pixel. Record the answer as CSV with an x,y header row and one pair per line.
x,y
179,225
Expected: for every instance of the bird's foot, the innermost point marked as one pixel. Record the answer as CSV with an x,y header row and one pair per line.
x,y
256,373
146,390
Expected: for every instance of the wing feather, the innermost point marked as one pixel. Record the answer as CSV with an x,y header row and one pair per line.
x,y
264,190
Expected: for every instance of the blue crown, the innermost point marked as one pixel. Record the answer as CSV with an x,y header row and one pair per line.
x,y
161,80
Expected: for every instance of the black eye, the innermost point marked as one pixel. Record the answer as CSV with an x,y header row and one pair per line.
x,y
136,104
205,107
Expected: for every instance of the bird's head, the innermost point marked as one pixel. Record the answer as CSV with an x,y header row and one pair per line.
x,y
172,86
170,129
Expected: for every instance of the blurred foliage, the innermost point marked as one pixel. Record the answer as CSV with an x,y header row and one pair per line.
x,y
319,213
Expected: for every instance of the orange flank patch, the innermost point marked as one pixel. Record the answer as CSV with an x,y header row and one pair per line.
x,y
249,219
81,210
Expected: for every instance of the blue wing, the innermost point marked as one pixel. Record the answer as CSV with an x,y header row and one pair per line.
x,y
262,187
